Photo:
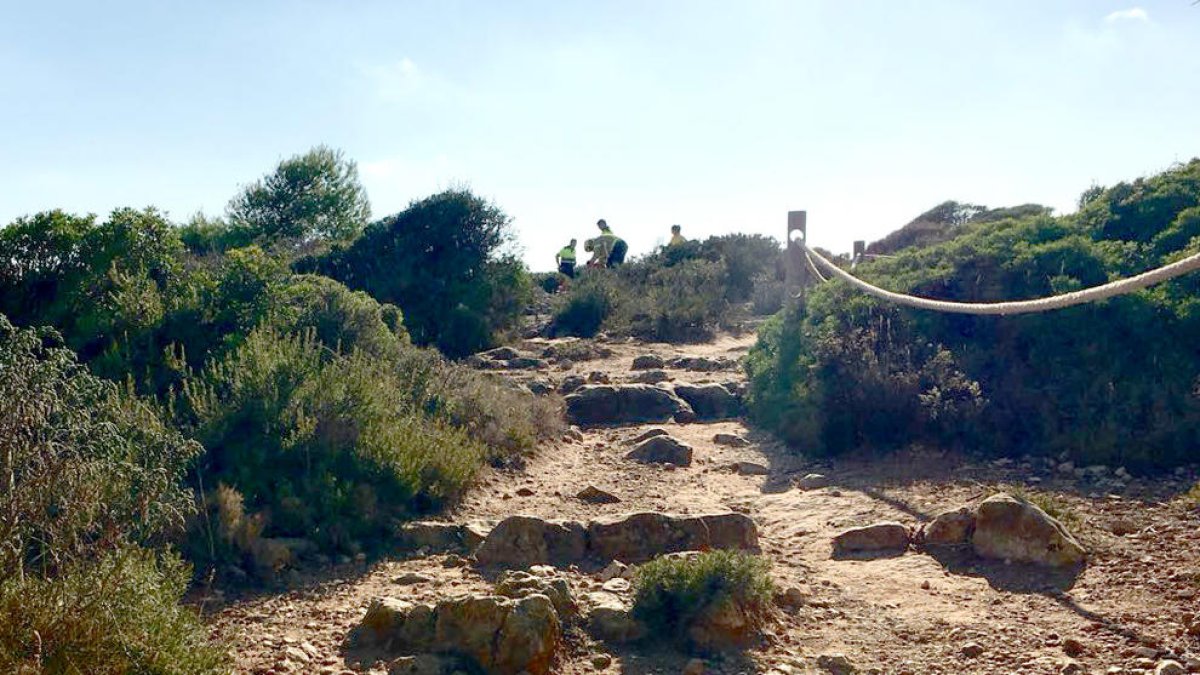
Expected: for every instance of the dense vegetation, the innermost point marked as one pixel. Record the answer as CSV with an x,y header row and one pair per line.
x,y
445,260
231,409
92,477
678,293
1112,382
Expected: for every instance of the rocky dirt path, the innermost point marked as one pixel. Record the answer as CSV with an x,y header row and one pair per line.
x,y
1133,606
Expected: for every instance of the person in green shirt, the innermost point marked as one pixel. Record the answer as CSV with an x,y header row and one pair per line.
x,y
613,247
565,259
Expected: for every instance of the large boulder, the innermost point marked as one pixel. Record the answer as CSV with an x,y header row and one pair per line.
x,y
709,401
1007,528
626,404
504,636
642,536
952,528
887,536
521,541
662,450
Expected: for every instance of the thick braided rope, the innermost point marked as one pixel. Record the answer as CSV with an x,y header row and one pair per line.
x,y
1093,294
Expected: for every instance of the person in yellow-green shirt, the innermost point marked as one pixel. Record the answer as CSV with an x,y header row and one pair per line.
x,y
565,259
676,238
610,249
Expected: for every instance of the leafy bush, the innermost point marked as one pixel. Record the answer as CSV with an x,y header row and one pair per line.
x,y
311,197
1112,382
444,261
117,614
670,593
85,469
587,305
330,447
681,293
89,474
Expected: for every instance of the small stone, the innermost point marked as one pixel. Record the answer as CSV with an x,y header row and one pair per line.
x,y
615,570
410,578
695,667
525,492
594,495
1072,667
616,585
1145,652
731,440
972,650
836,664
750,469
1072,647
1169,667
601,661
791,598
297,654
925,585
648,362
812,481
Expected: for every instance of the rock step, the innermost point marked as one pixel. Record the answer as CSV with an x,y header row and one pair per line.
x,y
522,541
626,404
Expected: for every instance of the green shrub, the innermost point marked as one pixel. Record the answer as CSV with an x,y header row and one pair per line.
x,y
89,474
444,261
681,293
587,304
670,593
332,447
1110,382
314,196
118,614
85,468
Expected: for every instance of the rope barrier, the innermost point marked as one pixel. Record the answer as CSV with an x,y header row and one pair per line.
x,y
1093,294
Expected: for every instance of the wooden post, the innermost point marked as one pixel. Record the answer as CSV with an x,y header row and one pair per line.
x,y
797,269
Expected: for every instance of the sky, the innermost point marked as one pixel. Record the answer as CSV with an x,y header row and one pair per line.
x,y
718,116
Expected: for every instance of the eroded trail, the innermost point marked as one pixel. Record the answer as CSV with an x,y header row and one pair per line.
x,y
1131,607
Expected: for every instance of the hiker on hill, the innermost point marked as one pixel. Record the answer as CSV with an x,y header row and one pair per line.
x,y
565,259
614,247
676,238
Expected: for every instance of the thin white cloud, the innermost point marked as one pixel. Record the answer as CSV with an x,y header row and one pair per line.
x,y
1131,14
395,81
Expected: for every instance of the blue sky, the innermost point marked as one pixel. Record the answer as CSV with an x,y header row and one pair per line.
x,y
720,116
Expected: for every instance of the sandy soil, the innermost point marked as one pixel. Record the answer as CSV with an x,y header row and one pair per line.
x,y
911,613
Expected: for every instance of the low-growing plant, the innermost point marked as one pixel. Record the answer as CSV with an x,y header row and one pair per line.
x,y
1054,507
120,613
671,593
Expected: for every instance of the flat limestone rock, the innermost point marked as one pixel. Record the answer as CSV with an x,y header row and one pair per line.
x,y
1007,528
662,450
521,541
593,405
709,401
886,536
